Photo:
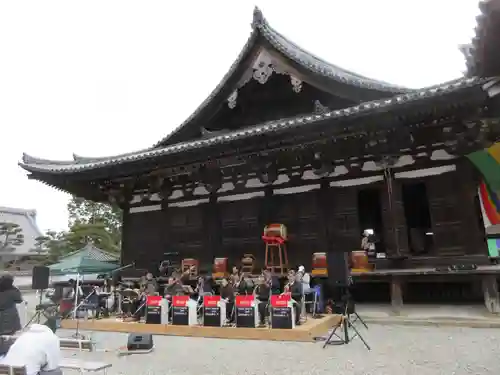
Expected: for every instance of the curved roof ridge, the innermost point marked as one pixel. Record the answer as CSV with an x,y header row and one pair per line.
x,y
309,61
380,85
246,49
263,128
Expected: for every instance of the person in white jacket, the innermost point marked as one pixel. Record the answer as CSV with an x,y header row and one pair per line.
x,y
38,349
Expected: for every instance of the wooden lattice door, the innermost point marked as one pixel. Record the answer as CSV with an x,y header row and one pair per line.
x,y
343,222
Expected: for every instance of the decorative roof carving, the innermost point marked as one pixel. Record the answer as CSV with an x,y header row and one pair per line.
x,y
320,108
55,167
262,31
205,133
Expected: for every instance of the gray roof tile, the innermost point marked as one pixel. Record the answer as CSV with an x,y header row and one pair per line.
x,y
33,164
312,63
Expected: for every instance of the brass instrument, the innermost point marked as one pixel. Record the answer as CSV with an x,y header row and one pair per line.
x,y
287,288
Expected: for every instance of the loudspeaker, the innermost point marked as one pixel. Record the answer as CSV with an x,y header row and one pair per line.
x,y
338,268
40,278
140,341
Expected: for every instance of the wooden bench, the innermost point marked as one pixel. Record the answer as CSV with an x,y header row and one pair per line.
x,y
83,366
12,370
66,363
76,344
65,343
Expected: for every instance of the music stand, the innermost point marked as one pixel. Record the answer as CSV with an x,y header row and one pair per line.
x,y
345,324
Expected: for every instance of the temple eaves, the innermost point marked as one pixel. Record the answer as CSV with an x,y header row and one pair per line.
x,y
481,54
32,164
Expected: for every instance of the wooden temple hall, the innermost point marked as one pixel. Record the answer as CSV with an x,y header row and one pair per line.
x,y
288,138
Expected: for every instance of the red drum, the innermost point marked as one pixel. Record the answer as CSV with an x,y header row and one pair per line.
x,y
220,268
319,264
276,230
359,261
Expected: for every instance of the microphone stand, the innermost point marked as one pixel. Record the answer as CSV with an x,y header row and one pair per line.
x,y
77,333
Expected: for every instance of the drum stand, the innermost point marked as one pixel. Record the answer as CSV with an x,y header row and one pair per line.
x,y
344,325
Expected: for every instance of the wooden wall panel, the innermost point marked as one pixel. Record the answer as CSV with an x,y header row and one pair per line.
x,y
394,221
449,228
186,233
241,232
143,240
343,221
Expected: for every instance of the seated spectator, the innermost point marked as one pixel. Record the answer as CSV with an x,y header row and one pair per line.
x,y
37,349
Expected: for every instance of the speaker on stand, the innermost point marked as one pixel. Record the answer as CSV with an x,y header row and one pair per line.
x,y
40,282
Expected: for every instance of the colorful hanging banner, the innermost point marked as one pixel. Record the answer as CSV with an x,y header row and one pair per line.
x,y
488,166
490,205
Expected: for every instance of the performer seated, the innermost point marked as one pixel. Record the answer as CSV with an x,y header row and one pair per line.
x,y
262,292
239,285
173,288
203,287
236,271
38,349
295,289
272,281
150,284
227,293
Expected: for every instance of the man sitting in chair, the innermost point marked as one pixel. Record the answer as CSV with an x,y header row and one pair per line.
x,y
37,349
262,292
295,289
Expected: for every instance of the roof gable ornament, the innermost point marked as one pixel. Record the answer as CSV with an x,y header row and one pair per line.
x,y
319,108
262,69
258,18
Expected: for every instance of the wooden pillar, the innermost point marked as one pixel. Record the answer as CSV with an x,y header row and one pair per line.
x,y
166,226
396,294
268,208
491,296
126,252
394,221
213,237
324,205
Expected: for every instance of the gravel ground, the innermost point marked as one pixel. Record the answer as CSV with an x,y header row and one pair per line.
x,y
395,350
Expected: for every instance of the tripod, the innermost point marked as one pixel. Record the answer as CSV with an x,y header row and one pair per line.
x,y
344,325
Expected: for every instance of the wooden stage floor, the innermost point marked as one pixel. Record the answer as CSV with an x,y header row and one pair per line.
x,y
305,332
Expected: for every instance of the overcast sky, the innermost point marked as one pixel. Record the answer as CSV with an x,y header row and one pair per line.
x,y
104,77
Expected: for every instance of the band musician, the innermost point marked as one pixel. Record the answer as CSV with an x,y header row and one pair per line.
x,y
239,284
295,289
228,294
262,292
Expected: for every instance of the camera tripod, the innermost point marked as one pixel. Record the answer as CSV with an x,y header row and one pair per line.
x,y
344,325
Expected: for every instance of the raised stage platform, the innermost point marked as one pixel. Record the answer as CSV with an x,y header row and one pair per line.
x,y
305,332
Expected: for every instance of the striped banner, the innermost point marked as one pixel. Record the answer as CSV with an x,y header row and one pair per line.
x,y
490,205
488,164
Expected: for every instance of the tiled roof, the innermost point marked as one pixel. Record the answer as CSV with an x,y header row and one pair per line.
x,y
310,62
481,54
26,219
89,251
33,164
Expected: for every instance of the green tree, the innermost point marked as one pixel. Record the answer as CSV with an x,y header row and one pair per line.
x,y
98,223
40,247
11,236
55,244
